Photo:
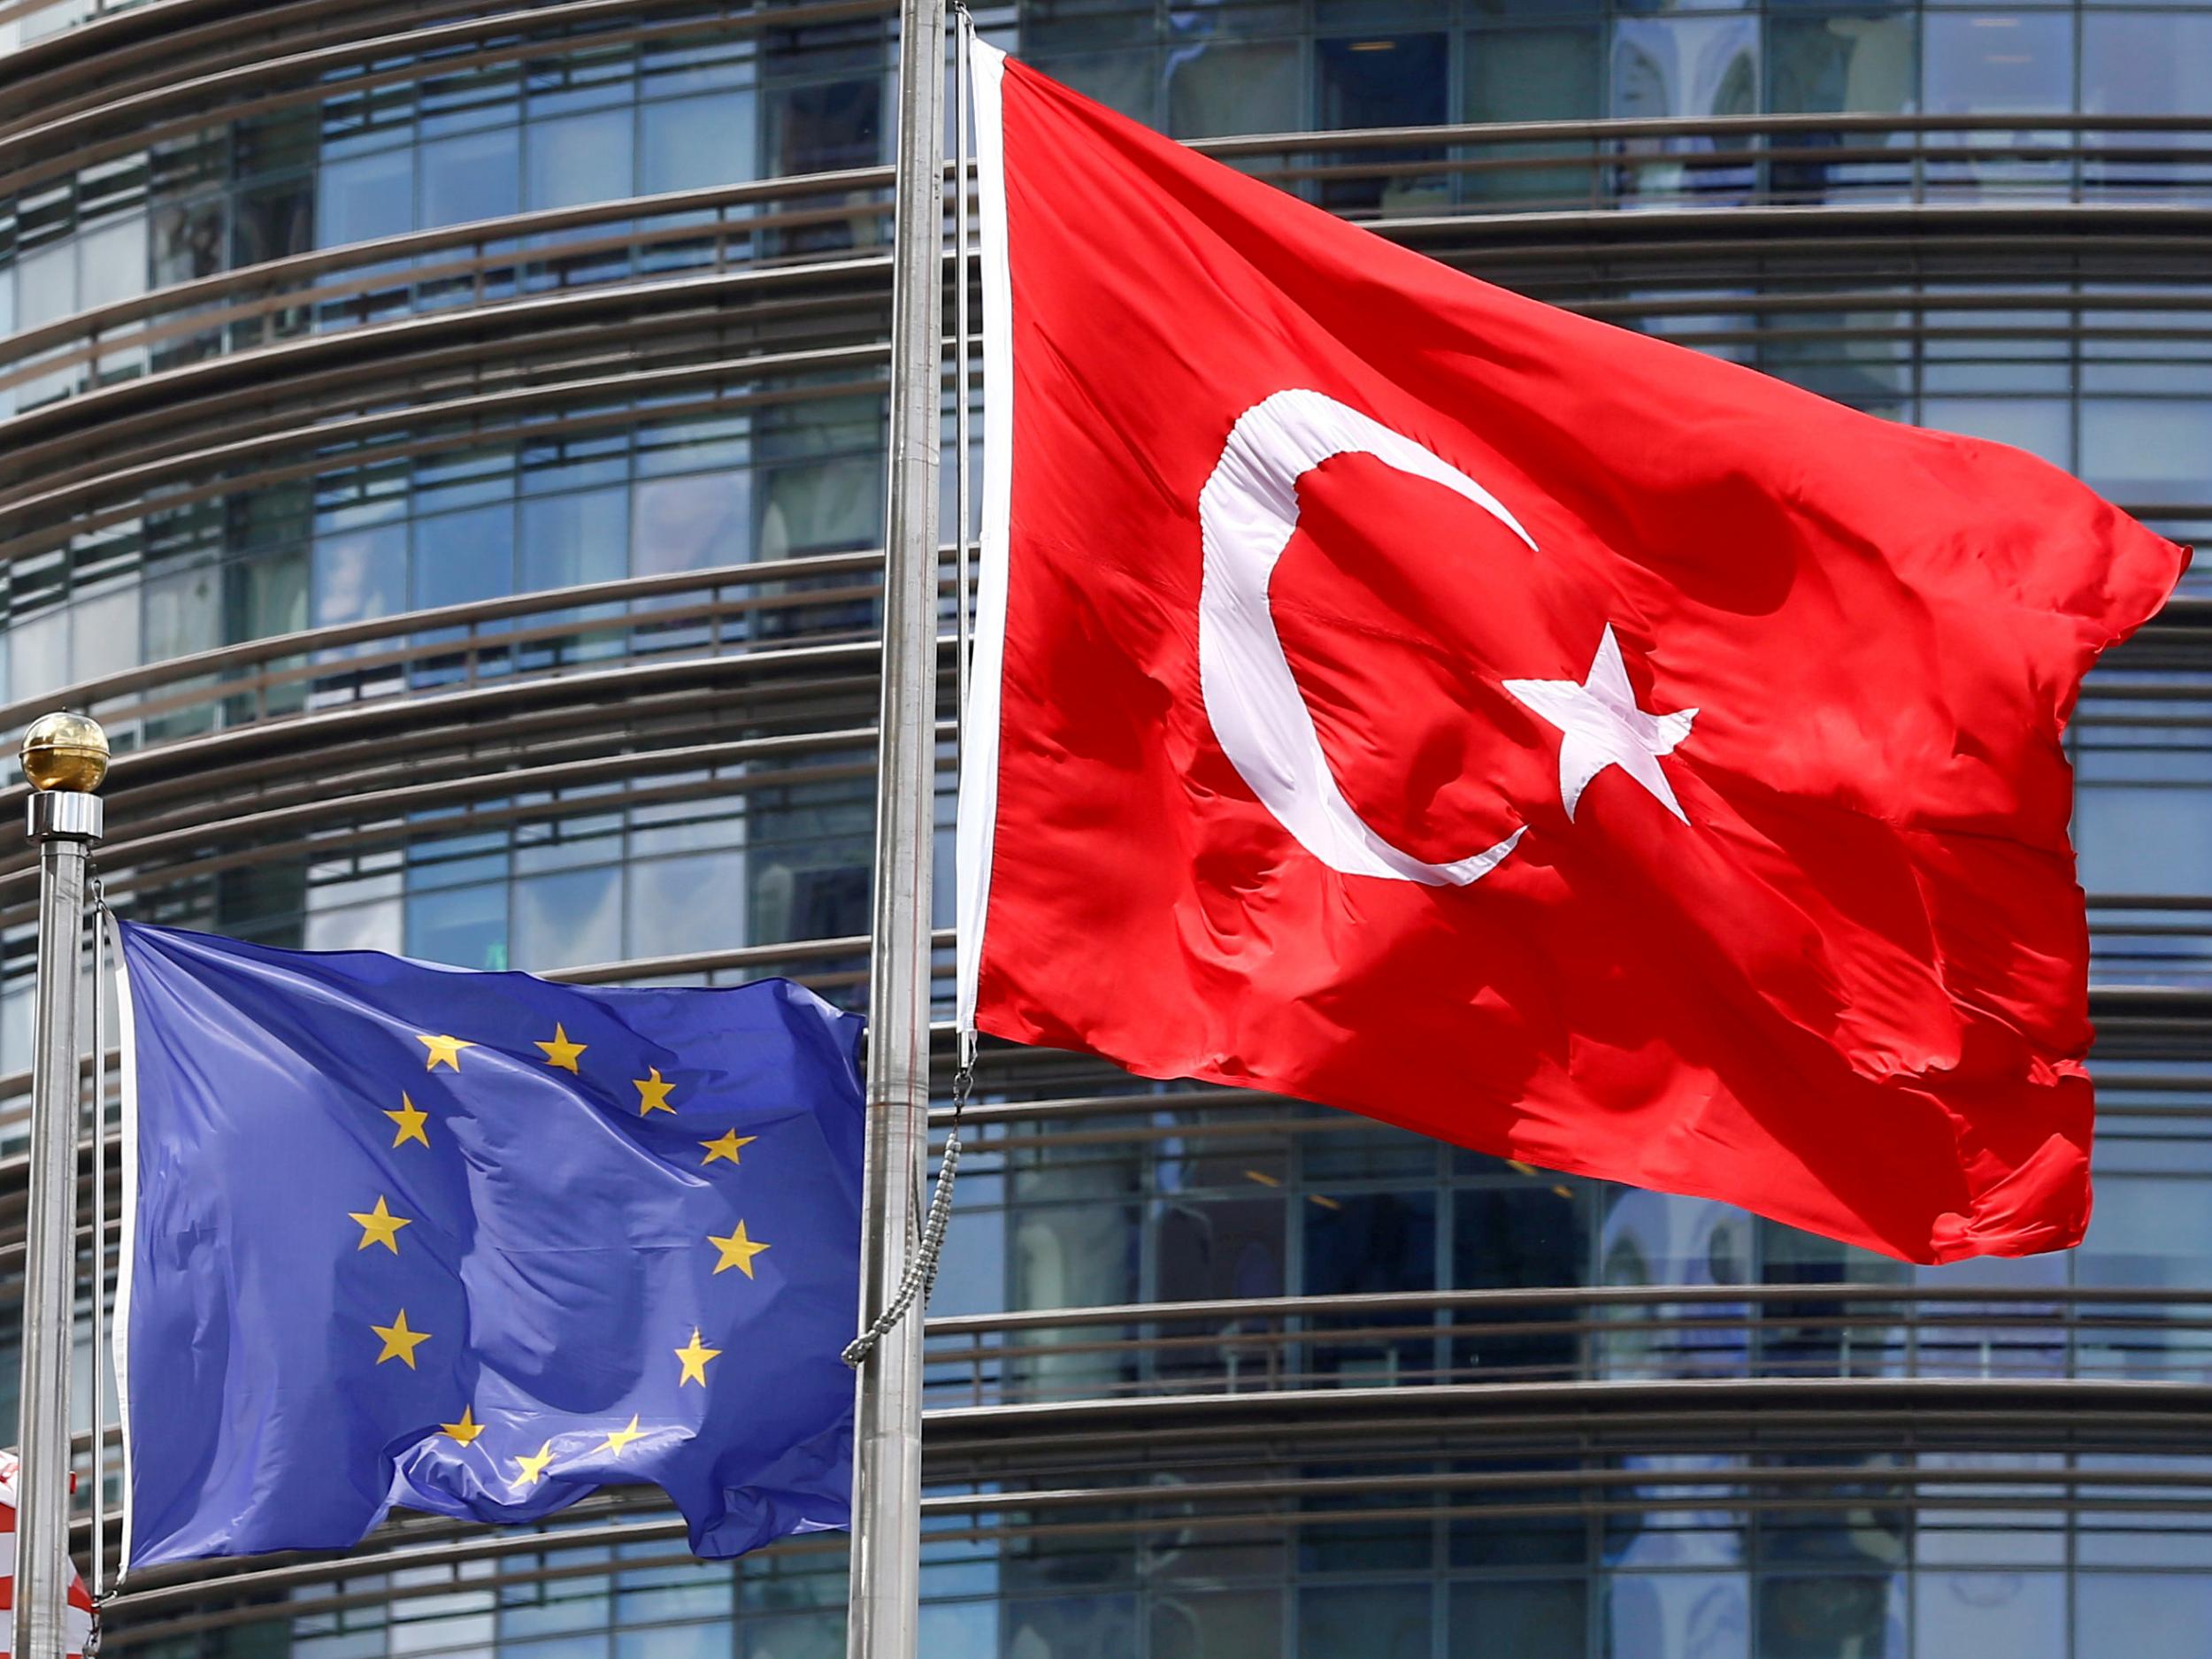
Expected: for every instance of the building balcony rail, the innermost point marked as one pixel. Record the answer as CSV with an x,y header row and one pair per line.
x,y
1403,177
1641,1333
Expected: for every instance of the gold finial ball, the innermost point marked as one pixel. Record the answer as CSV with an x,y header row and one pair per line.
x,y
66,751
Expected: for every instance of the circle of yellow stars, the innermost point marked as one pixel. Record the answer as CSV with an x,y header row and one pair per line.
x,y
380,1225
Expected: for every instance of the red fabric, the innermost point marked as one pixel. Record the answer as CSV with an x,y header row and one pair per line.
x,y
80,1619
1847,993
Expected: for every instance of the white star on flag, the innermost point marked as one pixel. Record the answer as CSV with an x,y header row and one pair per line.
x,y
1604,728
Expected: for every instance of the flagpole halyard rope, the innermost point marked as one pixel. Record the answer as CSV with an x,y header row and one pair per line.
x,y
921,1268
920,1278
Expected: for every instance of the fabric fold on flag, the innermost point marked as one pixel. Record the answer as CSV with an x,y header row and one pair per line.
x,y
477,1244
1396,692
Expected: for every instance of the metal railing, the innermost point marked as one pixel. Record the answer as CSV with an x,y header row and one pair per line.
x,y
1643,1334
825,598
641,239
1384,175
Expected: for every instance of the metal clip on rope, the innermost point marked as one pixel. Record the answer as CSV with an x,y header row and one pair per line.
x,y
921,1269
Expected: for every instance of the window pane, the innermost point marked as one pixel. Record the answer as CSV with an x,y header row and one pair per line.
x,y
570,540
690,143
2144,838
1831,1617
689,523
2146,64
568,919
1224,87
374,926
1993,62
465,926
103,633
112,262
365,198
692,902
1690,1615
1127,81
825,128
1533,75
1381,80
2145,449
474,176
1362,1242
581,158
2142,1614
2020,1615
2148,1231
2039,425
38,653
360,574
1377,1622
1862,64
273,221
1685,66
46,285
184,613
264,596
464,555
1518,1618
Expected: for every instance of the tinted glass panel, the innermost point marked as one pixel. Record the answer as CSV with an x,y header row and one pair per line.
x,y
365,198
581,158
1988,61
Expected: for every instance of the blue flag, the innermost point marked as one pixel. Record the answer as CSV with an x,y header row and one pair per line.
x,y
478,1244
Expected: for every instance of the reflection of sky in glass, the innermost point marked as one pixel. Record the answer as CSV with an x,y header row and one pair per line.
x,y
1981,63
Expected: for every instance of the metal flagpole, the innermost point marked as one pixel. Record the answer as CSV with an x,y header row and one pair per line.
x,y
886,1539
65,758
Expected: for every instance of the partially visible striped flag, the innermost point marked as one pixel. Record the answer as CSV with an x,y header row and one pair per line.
x,y
77,1622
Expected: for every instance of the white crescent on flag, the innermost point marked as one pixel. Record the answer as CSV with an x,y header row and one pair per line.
x,y
76,1619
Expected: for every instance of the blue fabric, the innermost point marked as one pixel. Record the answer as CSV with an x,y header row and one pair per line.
x,y
566,1234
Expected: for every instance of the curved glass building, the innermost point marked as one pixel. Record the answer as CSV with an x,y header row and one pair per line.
x,y
445,444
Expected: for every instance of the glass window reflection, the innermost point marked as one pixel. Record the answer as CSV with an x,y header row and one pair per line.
x,y
2021,1615
1990,62
1856,63
1221,87
579,159
476,175
690,522
460,557
567,918
365,198
1687,1615
2145,62
2143,1615
1375,1622
689,143
360,574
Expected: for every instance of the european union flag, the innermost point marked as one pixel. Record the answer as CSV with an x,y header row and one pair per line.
x,y
478,1244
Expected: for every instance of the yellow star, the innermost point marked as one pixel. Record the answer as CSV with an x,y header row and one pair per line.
x,y
467,1430
738,1251
443,1051
533,1468
380,1226
695,1356
652,1094
400,1343
727,1146
619,1440
410,1122
561,1052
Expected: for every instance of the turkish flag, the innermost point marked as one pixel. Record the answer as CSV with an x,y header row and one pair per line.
x,y
1401,694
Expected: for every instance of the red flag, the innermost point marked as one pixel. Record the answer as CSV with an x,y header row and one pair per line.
x,y
76,1617
1406,695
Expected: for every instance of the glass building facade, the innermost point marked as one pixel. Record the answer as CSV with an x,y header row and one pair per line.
x,y
445,446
